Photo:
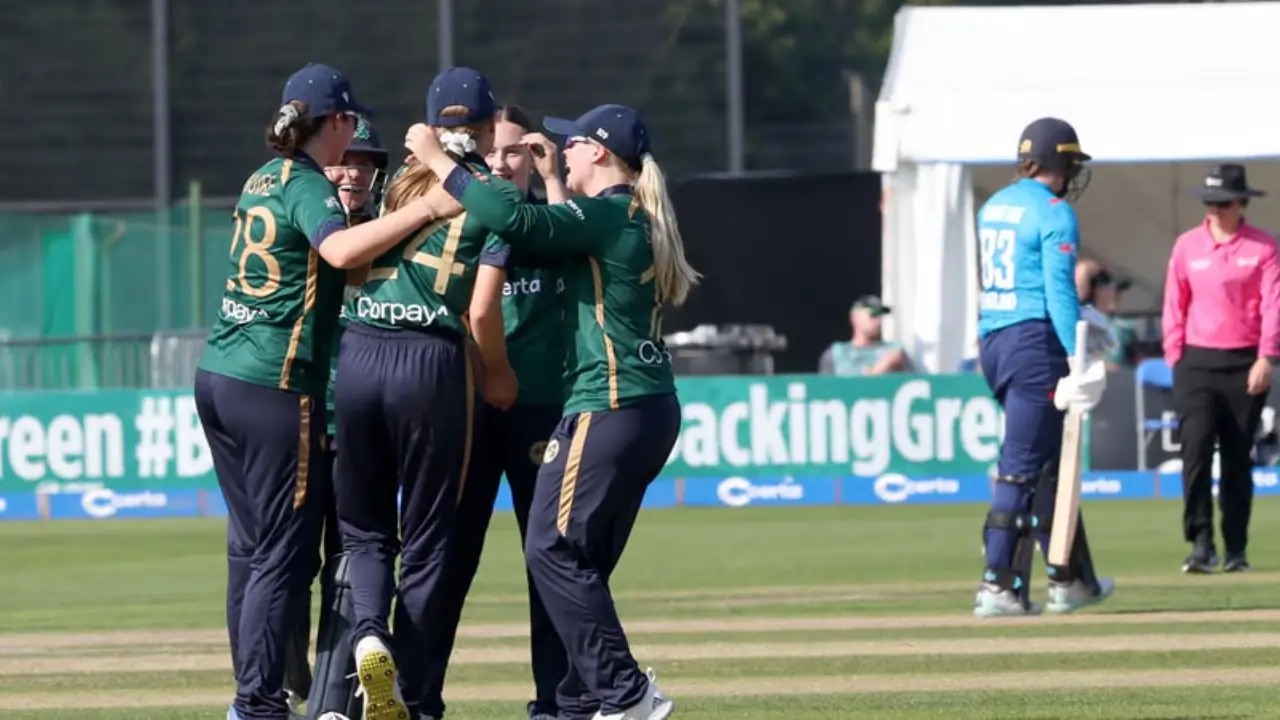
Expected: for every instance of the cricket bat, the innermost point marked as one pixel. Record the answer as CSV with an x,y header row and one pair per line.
x,y
1066,506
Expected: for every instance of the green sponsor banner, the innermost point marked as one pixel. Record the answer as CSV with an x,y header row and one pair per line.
x,y
817,425
764,426
122,439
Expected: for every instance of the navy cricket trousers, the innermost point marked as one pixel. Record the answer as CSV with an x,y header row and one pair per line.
x,y
268,452
511,442
1022,364
297,675
404,402
590,487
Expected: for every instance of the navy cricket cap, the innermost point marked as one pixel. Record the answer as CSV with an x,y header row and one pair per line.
x,y
461,87
366,140
618,128
1049,137
324,90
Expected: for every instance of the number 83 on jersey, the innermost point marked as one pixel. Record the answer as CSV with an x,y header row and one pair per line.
x,y
997,246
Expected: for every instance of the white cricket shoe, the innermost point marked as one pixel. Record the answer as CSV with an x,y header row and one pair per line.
x,y
1069,597
653,706
995,601
377,675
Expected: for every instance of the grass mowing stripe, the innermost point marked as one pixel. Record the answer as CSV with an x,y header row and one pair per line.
x,y
729,659
987,630
1202,703
28,642
519,642
1058,680
918,668
884,589
219,680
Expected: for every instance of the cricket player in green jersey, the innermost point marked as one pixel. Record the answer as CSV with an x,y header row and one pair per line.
x,y
512,432
360,178
260,384
405,402
624,263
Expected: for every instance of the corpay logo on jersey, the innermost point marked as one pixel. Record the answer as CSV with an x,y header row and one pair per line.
x,y
395,312
894,488
651,353
103,503
739,491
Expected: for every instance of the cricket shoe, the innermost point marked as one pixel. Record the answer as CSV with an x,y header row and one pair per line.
x,y
1236,562
1071,596
653,706
995,601
1202,560
331,715
377,675
296,704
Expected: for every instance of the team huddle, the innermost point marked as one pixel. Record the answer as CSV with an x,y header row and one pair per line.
x,y
389,347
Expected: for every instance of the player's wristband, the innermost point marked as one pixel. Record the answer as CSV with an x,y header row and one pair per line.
x,y
457,182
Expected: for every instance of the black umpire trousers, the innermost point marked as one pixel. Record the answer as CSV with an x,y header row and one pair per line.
x,y
1215,409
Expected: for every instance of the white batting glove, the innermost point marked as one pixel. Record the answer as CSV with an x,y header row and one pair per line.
x,y
1082,389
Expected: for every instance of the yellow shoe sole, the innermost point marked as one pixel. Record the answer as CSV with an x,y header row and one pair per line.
x,y
378,679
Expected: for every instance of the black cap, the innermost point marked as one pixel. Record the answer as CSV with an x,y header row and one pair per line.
x,y
872,304
1225,183
1049,138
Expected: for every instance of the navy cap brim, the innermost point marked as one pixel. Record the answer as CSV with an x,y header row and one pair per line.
x,y
561,126
362,109
367,149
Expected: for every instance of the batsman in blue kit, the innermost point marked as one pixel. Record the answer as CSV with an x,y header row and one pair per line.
x,y
1029,238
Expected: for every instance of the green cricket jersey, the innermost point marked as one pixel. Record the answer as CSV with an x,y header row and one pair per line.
x,y
281,303
612,307
349,293
426,280
535,328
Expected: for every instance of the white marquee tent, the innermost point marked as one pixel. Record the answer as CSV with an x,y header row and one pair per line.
x,y
1149,88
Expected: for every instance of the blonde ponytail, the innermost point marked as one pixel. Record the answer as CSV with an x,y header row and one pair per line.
x,y
674,276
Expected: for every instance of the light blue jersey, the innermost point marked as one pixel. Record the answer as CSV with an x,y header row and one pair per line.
x,y
1028,240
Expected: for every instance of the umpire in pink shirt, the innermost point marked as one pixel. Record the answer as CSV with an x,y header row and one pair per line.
x,y
1221,336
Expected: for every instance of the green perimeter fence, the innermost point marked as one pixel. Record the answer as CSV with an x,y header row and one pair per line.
x,y
108,299
111,273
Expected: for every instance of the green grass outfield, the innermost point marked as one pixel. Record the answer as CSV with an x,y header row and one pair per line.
x,y
839,612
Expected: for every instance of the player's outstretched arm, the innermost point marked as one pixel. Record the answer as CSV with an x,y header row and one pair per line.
x,y
360,245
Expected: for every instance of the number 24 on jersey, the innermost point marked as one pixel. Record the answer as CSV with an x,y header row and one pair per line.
x,y
997,247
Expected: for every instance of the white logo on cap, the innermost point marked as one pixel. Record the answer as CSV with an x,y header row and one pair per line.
x,y
1213,182
602,133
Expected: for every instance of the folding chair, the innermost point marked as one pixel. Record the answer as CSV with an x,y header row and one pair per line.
x,y
1153,372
